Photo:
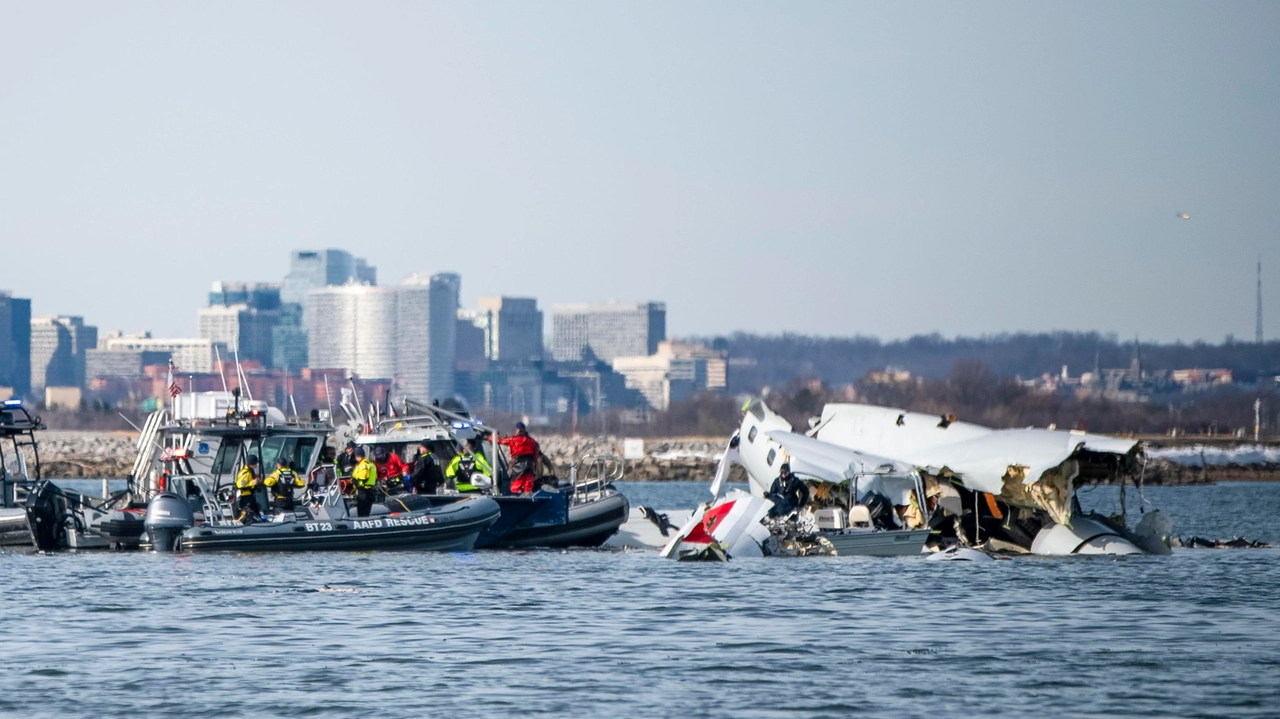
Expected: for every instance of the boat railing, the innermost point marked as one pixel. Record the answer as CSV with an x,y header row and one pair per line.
x,y
591,474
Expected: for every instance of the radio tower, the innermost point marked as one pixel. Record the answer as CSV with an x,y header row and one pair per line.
x,y
1258,329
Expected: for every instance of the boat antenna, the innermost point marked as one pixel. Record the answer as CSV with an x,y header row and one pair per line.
x,y
328,396
218,355
288,389
240,376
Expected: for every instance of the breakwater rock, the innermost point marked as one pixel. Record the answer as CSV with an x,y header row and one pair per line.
x,y
111,454
87,454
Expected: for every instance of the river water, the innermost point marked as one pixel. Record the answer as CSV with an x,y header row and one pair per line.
x,y
595,633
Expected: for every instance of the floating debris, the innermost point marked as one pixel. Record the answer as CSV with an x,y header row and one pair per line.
x,y
1237,543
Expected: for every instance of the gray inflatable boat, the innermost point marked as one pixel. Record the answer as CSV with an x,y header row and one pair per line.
x,y
405,522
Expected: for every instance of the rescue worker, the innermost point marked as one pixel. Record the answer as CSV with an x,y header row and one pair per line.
x,y
247,482
364,477
347,460
426,477
463,465
281,483
787,492
524,459
391,469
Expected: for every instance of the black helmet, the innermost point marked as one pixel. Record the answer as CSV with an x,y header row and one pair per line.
x,y
380,454
359,451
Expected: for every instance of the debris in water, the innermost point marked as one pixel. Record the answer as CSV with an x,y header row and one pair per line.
x,y
1237,543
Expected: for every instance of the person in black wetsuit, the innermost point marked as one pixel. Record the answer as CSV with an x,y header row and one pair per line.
x,y
427,477
787,493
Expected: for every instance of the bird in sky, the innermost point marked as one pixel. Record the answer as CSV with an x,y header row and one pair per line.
x,y
1183,216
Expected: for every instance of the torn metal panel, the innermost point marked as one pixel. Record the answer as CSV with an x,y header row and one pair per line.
x,y
986,460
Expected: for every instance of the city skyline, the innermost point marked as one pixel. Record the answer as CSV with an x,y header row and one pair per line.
x,y
828,169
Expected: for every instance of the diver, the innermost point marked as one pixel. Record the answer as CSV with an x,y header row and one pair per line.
x,y
281,484
524,459
364,477
247,483
470,462
787,492
426,477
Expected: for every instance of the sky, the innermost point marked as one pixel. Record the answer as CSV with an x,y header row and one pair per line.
x,y
831,168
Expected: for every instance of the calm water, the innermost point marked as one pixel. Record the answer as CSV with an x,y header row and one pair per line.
x,y
596,633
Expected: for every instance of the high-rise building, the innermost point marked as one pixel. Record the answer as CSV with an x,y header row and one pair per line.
x,y
58,347
311,270
257,295
242,317
512,327
240,331
15,343
354,327
608,330
427,355
188,354
408,332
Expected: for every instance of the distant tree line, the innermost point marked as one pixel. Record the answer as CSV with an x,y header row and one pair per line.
x,y
759,361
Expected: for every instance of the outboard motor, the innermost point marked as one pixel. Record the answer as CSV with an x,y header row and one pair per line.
x,y
168,516
47,516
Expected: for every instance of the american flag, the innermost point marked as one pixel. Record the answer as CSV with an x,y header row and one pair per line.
x,y
174,388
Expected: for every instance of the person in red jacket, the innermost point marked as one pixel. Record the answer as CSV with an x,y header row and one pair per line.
x,y
391,469
524,459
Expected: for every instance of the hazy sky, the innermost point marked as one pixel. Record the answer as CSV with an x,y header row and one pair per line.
x,y
833,168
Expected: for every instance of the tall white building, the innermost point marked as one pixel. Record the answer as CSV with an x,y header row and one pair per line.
x,y
354,327
512,327
612,329
407,333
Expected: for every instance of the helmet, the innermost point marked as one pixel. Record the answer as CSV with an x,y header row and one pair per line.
x,y
252,461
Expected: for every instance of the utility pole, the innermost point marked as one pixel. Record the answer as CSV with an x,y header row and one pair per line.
x,y
1258,329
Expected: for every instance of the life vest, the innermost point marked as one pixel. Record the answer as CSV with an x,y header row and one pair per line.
x,y
282,481
365,475
246,481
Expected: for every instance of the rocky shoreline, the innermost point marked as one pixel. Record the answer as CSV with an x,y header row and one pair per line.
x,y
110,455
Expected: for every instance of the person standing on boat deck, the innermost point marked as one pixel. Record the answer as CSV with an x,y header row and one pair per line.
x,y
347,460
427,476
787,492
364,477
391,469
247,483
471,460
281,484
524,459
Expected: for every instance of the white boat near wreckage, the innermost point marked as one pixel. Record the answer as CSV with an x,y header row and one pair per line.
x,y
887,482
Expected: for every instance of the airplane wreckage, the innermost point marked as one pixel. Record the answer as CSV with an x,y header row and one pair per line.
x,y
886,482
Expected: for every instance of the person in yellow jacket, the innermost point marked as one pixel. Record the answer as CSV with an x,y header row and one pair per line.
x,y
463,465
247,482
281,483
364,476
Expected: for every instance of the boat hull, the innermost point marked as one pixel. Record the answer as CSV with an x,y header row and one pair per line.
x,y
453,528
588,524
877,543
